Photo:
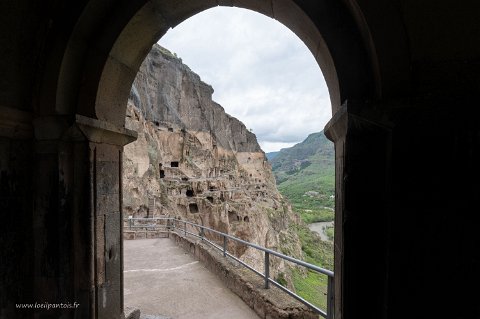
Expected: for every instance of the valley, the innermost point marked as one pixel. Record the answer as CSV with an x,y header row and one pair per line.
x,y
305,175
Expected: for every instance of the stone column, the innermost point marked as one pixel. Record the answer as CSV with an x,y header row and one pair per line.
x,y
407,200
362,154
16,248
77,216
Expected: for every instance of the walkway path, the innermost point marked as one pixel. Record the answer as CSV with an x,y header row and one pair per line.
x,y
161,279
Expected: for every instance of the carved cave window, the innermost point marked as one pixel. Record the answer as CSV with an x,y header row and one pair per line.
x,y
232,217
193,208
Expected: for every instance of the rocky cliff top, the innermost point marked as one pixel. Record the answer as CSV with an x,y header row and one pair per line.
x,y
168,93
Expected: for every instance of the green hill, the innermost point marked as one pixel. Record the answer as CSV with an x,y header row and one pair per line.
x,y
271,155
305,174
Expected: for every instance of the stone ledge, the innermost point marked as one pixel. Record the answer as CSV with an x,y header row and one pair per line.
x,y
144,234
267,303
104,132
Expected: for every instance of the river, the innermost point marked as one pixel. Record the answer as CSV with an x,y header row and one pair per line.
x,y
319,227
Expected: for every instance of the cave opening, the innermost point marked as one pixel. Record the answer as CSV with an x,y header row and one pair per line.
x,y
232,217
193,207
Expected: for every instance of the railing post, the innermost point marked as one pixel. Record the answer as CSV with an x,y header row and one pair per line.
x,y
130,222
224,246
267,270
330,298
201,233
185,227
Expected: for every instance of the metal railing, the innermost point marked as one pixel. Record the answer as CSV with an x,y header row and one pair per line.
x,y
153,223
175,225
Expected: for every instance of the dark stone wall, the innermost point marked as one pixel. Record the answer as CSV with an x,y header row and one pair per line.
x,y
407,229
16,253
433,220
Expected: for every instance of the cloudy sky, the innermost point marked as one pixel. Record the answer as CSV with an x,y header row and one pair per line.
x,y
262,73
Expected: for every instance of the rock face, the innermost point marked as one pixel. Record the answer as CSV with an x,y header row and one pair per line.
x,y
195,162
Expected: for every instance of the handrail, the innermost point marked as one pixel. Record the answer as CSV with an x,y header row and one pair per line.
x,y
272,252
328,314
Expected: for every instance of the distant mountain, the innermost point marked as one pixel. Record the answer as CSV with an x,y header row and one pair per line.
x,y
271,155
316,148
305,174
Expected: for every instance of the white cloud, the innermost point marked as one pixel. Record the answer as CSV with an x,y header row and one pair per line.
x,y
261,72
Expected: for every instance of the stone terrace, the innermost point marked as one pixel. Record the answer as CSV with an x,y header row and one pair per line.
x,y
160,278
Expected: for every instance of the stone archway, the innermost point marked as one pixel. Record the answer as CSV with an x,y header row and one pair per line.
x,y
405,77
405,127
101,59
94,79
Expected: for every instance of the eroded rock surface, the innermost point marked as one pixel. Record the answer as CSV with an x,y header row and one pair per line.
x,y
195,162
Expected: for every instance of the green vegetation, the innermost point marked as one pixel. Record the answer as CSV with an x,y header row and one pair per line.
x,y
305,175
315,216
309,284
281,279
317,251
312,287
329,231
311,187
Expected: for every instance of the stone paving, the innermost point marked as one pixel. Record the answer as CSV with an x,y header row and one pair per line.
x,y
162,279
